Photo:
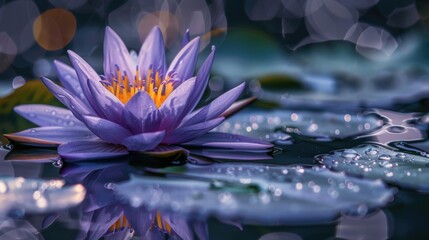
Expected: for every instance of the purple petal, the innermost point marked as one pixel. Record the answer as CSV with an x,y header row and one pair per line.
x,y
186,38
109,104
50,136
173,109
201,80
68,78
143,141
237,106
85,73
116,53
45,115
106,130
140,220
186,134
95,224
201,230
141,114
180,225
69,100
215,108
184,62
152,53
83,150
227,140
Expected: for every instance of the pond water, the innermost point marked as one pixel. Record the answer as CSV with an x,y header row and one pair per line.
x,y
348,175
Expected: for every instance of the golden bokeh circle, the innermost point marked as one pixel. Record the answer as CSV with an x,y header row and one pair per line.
x,y
165,20
54,29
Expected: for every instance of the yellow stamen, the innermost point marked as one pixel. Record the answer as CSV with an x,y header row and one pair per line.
x,y
121,223
124,88
163,225
159,220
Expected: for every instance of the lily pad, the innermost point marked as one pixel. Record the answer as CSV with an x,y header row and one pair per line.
x,y
280,124
19,195
379,162
381,90
248,193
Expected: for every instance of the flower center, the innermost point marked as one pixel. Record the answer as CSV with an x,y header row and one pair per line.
x,y
125,88
122,223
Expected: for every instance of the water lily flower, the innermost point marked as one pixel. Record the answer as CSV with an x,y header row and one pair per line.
x,y
134,106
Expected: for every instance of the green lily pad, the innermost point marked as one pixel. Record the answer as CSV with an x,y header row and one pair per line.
x,y
280,124
379,162
248,193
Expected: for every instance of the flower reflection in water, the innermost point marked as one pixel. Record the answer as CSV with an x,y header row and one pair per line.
x,y
104,216
134,106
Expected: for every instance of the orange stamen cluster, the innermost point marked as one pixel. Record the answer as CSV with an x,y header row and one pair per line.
x,y
120,224
124,88
162,225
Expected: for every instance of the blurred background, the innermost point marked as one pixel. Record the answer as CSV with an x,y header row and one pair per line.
x,y
294,53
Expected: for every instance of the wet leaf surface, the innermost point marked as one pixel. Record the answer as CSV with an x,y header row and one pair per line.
x,y
248,192
378,162
278,125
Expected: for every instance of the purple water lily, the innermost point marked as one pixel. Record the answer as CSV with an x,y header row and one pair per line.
x,y
134,106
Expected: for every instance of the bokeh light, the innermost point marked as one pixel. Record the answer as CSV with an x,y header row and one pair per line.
x,y
16,19
165,20
8,51
54,29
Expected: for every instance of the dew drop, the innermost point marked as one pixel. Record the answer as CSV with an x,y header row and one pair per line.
x,y
110,186
58,163
53,112
225,197
230,170
385,164
350,154
362,210
385,157
264,197
371,152
401,155
217,184
396,129
6,147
